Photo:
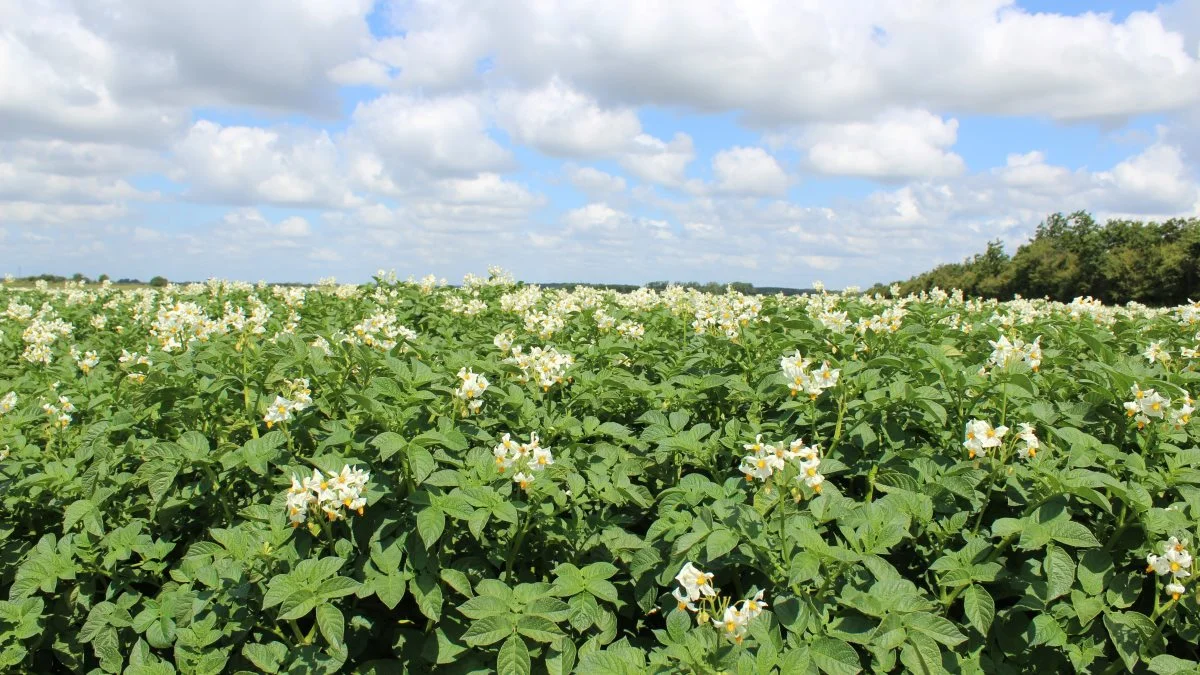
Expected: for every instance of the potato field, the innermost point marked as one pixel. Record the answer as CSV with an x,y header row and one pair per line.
x,y
407,476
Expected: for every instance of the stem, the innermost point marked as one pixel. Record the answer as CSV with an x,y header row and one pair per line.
x,y
296,631
871,482
837,429
516,546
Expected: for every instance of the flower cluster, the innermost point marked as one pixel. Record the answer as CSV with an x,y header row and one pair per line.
x,y
332,494
471,390
982,437
1029,443
456,305
889,321
726,314
129,360
86,360
1006,353
1148,404
731,619
544,325
60,415
39,335
765,459
296,397
528,459
1155,352
1175,563
503,341
547,366
381,331
631,329
795,370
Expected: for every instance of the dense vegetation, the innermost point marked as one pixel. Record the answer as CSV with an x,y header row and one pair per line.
x,y
1072,256
407,477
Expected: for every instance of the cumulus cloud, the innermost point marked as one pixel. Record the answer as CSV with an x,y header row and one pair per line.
x,y
560,121
247,165
838,59
749,171
896,145
593,181
656,161
441,136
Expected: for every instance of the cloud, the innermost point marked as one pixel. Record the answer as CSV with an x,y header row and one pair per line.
x,y
659,162
837,59
749,171
400,134
593,181
562,122
248,165
896,145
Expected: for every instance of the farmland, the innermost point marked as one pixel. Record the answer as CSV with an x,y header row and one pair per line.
x,y
409,477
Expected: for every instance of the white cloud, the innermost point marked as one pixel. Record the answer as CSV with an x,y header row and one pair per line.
x,y
837,59
441,44
593,181
896,145
562,122
655,161
749,171
439,136
247,165
1157,181
361,71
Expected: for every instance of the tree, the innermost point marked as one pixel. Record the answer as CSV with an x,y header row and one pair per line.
x,y
159,282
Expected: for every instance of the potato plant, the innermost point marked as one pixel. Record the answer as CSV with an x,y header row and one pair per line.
x,y
412,477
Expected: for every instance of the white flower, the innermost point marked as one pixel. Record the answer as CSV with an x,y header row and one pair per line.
x,y
695,583
541,459
681,597
8,402
981,436
278,412
1030,441
524,480
732,624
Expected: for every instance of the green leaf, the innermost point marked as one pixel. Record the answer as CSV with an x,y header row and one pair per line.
x,y
332,623
431,522
835,657
389,589
538,628
603,590
1059,568
979,607
1072,533
1165,664
513,658
488,630
268,657
936,627
421,463
482,606
720,542
388,443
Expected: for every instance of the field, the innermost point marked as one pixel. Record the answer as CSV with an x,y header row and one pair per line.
x,y
411,477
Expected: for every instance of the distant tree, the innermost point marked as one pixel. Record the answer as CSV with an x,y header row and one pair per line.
x,y
102,278
1071,256
159,282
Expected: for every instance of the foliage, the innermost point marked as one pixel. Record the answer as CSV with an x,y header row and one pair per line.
x,y
1071,256
153,521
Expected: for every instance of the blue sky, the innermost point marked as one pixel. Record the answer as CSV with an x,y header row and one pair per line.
x,y
852,142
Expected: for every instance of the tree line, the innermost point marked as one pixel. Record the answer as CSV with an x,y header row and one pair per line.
x,y
1155,263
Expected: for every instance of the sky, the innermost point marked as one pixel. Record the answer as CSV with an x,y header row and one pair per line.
x,y
775,142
